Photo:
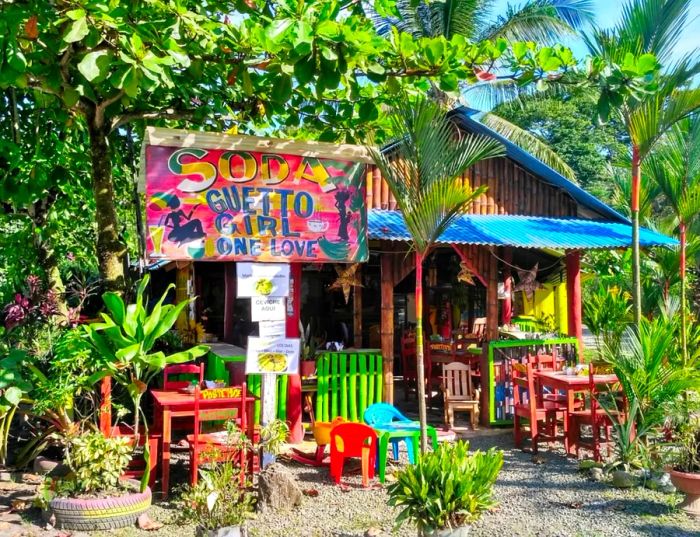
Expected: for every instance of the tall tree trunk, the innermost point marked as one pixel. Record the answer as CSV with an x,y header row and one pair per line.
x,y
684,319
636,270
111,251
420,366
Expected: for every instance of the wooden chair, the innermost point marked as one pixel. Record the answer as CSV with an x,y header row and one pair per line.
x,y
207,445
596,417
197,371
458,393
528,405
479,328
408,363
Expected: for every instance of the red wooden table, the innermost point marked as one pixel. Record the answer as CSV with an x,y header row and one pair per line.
x,y
175,404
571,384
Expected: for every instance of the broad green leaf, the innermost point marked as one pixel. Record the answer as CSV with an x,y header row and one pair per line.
x,y
13,395
282,89
95,65
77,30
115,304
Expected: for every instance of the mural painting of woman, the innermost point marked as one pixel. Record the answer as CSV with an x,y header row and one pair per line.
x,y
182,232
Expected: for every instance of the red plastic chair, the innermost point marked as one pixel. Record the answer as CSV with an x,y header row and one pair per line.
x,y
353,440
208,446
181,369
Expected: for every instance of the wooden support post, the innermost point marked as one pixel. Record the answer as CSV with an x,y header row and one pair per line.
x,y
491,298
229,300
106,406
573,294
357,311
387,325
296,431
507,311
182,288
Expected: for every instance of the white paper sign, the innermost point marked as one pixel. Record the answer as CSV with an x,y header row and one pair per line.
x,y
272,329
263,308
279,356
262,279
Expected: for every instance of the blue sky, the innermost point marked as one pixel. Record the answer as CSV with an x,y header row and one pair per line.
x,y
608,12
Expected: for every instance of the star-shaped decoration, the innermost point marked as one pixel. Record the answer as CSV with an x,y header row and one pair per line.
x,y
527,282
347,278
465,274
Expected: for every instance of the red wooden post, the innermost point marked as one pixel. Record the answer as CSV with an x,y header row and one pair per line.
x,y
106,406
296,431
573,293
507,307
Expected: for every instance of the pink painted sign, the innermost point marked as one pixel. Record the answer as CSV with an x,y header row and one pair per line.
x,y
212,204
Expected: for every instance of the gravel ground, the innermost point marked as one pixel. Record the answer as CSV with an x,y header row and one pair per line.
x,y
546,499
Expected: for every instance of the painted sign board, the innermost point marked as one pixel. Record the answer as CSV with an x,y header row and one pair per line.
x,y
279,356
262,279
223,201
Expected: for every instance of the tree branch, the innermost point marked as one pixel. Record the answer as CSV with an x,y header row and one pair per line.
x,y
168,113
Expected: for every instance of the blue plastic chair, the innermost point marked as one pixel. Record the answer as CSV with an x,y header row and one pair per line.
x,y
384,415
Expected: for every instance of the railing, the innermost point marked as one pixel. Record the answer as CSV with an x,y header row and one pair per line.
x,y
500,354
348,382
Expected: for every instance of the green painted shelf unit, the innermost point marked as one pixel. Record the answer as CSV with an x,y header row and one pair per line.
x,y
500,354
348,382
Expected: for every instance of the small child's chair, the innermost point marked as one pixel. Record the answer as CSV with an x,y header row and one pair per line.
x,y
353,440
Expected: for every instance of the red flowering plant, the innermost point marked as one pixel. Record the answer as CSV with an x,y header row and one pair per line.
x,y
31,317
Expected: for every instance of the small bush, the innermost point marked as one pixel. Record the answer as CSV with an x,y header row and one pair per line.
x,y
448,488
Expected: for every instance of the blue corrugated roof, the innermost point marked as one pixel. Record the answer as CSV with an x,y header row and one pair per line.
x,y
521,231
468,119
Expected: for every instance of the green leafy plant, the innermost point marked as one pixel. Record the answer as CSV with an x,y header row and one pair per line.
x,y
447,488
96,464
606,312
217,500
125,341
682,430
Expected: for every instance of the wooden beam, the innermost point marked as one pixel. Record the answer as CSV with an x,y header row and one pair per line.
x,y
573,294
387,325
357,311
229,300
182,288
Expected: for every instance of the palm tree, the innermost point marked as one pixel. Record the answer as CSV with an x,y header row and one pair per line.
x,y
649,26
542,21
675,168
423,169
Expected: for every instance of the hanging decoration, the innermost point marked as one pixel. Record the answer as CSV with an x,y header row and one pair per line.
x,y
465,274
528,282
347,278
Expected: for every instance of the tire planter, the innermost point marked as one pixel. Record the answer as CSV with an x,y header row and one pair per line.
x,y
99,513
690,485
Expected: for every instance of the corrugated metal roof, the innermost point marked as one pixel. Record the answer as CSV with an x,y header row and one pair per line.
x,y
468,119
521,231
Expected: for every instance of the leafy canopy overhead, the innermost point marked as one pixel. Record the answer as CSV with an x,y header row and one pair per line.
x,y
280,64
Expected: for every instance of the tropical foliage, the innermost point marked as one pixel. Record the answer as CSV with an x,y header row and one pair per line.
x,y
423,169
446,489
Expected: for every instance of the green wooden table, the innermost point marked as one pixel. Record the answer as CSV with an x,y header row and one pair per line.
x,y
406,431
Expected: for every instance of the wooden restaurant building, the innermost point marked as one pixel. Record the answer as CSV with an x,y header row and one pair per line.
x,y
507,273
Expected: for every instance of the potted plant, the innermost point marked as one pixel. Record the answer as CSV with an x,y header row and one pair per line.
x,y
91,495
309,347
446,490
217,505
685,464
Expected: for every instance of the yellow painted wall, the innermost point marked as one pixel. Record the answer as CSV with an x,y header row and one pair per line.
x,y
550,300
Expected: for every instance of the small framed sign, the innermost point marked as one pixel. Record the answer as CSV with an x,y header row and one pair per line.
x,y
262,279
279,356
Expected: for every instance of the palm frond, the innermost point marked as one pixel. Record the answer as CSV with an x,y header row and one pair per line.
x,y
622,192
653,26
424,165
543,21
530,143
675,168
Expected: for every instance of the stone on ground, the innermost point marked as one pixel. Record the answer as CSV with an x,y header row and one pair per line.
x,y
277,489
